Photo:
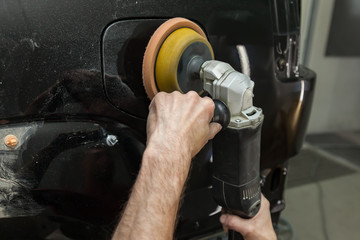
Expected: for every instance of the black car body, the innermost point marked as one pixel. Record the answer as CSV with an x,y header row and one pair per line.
x,y
71,92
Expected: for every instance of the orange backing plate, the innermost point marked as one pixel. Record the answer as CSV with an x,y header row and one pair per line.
x,y
153,47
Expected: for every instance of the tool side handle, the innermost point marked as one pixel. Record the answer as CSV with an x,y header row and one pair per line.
x,y
221,113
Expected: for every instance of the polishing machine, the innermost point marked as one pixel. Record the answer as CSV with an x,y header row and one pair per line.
x,y
179,58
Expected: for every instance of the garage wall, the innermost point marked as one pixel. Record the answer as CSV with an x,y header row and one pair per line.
x,y
336,105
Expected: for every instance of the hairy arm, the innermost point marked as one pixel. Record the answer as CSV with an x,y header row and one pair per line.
x,y
153,205
178,127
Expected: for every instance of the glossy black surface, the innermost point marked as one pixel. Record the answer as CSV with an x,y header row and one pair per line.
x,y
123,47
78,63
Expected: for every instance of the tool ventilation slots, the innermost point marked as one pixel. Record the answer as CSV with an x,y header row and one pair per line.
x,y
250,193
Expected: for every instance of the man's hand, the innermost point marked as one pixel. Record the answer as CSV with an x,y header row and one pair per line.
x,y
258,227
180,123
182,119
178,127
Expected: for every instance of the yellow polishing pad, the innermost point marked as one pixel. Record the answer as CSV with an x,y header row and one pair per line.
x,y
164,59
168,58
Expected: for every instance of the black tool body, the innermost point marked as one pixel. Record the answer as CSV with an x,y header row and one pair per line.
x,y
236,180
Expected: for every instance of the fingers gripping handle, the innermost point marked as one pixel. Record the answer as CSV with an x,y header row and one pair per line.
x,y
221,114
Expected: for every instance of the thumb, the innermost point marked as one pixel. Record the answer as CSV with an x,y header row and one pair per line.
x,y
234,223
214,129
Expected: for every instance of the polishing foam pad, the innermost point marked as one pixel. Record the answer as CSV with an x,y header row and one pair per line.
x,y
172,53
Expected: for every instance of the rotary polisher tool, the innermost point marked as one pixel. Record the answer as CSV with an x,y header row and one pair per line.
x,y
180,58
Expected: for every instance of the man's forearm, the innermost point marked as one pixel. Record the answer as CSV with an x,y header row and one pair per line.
x,y
178,126
154,201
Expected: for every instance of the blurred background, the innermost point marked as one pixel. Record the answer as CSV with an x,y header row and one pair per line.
x,y
323,187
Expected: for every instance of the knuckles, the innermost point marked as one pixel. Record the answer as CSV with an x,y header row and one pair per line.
x,y
175,93
230,222
159,96
209,103
190,98
192,95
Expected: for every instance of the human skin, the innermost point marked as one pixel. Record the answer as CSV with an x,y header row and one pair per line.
x,y
178,126
258,227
